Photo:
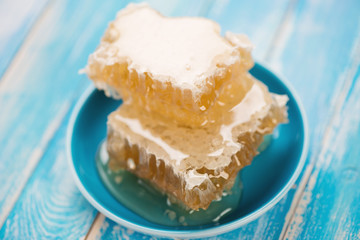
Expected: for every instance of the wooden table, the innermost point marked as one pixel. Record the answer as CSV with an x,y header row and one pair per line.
x,y
43,44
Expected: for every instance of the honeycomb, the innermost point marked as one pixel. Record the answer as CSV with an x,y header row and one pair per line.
x,y
193,165
192,115
177,86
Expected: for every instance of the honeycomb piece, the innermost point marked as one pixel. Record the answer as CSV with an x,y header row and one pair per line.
x,y
193,165
176,67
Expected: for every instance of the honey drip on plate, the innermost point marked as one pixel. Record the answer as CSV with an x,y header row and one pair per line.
x,y
142,198
195,165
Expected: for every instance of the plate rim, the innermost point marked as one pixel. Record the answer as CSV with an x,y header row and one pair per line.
x,y
213,231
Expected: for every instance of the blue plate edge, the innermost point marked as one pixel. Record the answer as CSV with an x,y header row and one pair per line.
x,y
192,233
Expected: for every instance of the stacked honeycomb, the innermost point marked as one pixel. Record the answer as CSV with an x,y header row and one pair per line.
x,y
192,115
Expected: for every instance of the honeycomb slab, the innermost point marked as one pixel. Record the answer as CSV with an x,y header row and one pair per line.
x,y
176,67
193,165
193,115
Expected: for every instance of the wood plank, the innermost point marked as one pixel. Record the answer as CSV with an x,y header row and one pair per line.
x,y
40,86
17,18
329,206
316,55
313,49
50,206
286,53
258,19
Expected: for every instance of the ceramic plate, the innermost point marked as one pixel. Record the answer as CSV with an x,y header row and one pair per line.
x,y
269,177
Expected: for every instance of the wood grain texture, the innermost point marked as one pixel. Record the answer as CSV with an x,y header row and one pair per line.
x,y
317,57
50,207
17,17
41,85
315,44
329,205
258,19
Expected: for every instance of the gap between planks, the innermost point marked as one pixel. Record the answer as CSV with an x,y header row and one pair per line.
x,y
310,176
94,230
279,40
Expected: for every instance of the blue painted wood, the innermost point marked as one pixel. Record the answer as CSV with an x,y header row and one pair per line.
x,y
257,19
40,87
50,206
17,17
316,57
329,206
313,50
314,44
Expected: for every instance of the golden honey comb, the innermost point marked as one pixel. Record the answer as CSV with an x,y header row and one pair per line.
x,y
193,165
171,81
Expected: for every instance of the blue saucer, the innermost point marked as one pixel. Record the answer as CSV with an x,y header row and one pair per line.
x,y
269,177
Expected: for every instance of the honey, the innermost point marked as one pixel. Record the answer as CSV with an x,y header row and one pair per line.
x,y
192,116
178,72
194,165
141,197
